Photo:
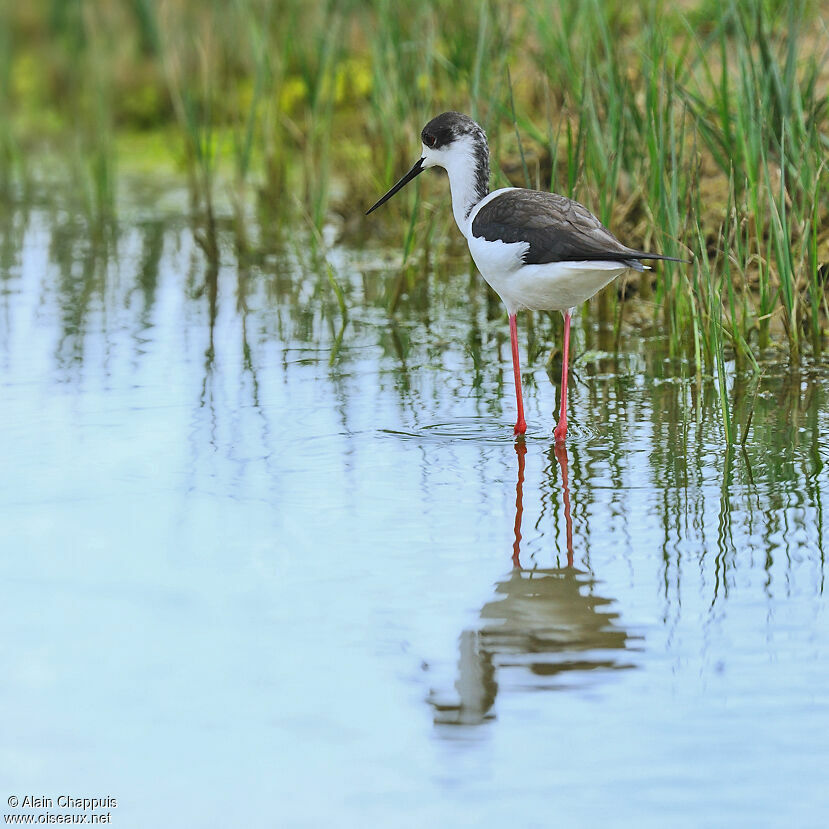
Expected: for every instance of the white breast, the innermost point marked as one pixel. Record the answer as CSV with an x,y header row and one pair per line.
x,y
556,286
499,264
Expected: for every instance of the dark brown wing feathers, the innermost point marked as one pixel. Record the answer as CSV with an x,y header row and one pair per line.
x,y
557,229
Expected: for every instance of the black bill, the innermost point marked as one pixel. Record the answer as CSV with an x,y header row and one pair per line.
x,y
413,173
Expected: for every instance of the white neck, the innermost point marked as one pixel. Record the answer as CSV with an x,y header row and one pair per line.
x,y
466,180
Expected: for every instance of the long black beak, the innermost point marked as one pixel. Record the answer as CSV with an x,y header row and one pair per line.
x,y
413,173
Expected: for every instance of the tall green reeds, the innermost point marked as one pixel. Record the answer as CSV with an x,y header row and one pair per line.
x,y
694,129
259,83
9,153
83,53
762,116
192,62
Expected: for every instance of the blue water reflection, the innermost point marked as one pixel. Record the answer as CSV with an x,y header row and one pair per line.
x,y
259,565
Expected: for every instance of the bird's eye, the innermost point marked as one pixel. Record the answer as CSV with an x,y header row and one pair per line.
x,y
429,140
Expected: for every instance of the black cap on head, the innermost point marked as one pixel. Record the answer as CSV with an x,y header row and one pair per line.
x,y
443,129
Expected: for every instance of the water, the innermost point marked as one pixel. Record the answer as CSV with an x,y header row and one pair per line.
x,y
262,569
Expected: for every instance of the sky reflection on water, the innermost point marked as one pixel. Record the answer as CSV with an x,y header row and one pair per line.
x,y
244,574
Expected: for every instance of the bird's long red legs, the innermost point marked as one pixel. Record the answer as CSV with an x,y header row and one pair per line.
x,y
560,431
521,424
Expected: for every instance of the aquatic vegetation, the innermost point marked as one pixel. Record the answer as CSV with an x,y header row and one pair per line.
x,y
701,129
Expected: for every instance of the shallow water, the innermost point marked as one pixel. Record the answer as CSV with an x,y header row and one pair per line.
x,y
263,569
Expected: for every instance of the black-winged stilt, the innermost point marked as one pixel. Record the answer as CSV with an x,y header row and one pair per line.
x,y
538,251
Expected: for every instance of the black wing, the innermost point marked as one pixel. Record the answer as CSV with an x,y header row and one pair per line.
x,y
557,229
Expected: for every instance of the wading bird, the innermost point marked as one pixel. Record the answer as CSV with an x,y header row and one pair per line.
x,y
538,251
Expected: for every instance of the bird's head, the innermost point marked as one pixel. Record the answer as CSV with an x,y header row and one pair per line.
x,y
452,141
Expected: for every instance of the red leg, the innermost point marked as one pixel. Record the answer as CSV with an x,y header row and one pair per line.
x,y
521,425
560,432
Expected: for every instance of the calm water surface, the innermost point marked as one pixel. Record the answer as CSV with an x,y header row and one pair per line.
x,y
262,569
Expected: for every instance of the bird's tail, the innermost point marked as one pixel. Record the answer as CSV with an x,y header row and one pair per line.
x,y
641,254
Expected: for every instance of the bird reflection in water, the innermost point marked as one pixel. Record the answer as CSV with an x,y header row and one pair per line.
x,y
545,629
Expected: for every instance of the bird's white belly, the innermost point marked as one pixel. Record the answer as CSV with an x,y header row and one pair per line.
x,y
555,286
